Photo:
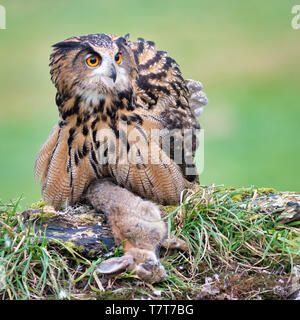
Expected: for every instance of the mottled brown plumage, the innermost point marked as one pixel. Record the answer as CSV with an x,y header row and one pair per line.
x,y
148,93
120,103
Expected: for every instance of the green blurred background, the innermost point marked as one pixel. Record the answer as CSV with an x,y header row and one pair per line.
x,y
245,52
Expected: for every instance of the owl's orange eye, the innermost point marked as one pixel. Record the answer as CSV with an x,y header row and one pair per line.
x,y
118,58
93,61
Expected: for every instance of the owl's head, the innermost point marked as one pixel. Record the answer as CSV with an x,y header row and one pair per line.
x,y
93,65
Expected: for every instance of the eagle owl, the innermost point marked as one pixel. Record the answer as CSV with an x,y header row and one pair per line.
x,y
112,94
126,116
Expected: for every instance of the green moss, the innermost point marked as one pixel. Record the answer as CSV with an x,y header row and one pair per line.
x,y
92,253
42,215
87,218
166,210
237,198
80,248
69,244
266,190
39,204
241,194
72,245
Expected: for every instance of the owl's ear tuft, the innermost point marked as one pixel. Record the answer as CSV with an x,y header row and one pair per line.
x,y
70,45
122,41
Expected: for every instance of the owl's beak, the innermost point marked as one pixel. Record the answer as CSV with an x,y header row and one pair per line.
x,y
107,69
113,73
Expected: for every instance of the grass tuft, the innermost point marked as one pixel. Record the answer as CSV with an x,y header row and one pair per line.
x,y
30,268
234,253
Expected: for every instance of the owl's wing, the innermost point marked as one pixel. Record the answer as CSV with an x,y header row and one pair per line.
x,y
167,101
160,87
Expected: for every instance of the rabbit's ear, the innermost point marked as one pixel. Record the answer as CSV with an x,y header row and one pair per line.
x,y
115,265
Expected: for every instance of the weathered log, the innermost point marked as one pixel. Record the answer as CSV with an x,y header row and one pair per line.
x,y
81,227
87,230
